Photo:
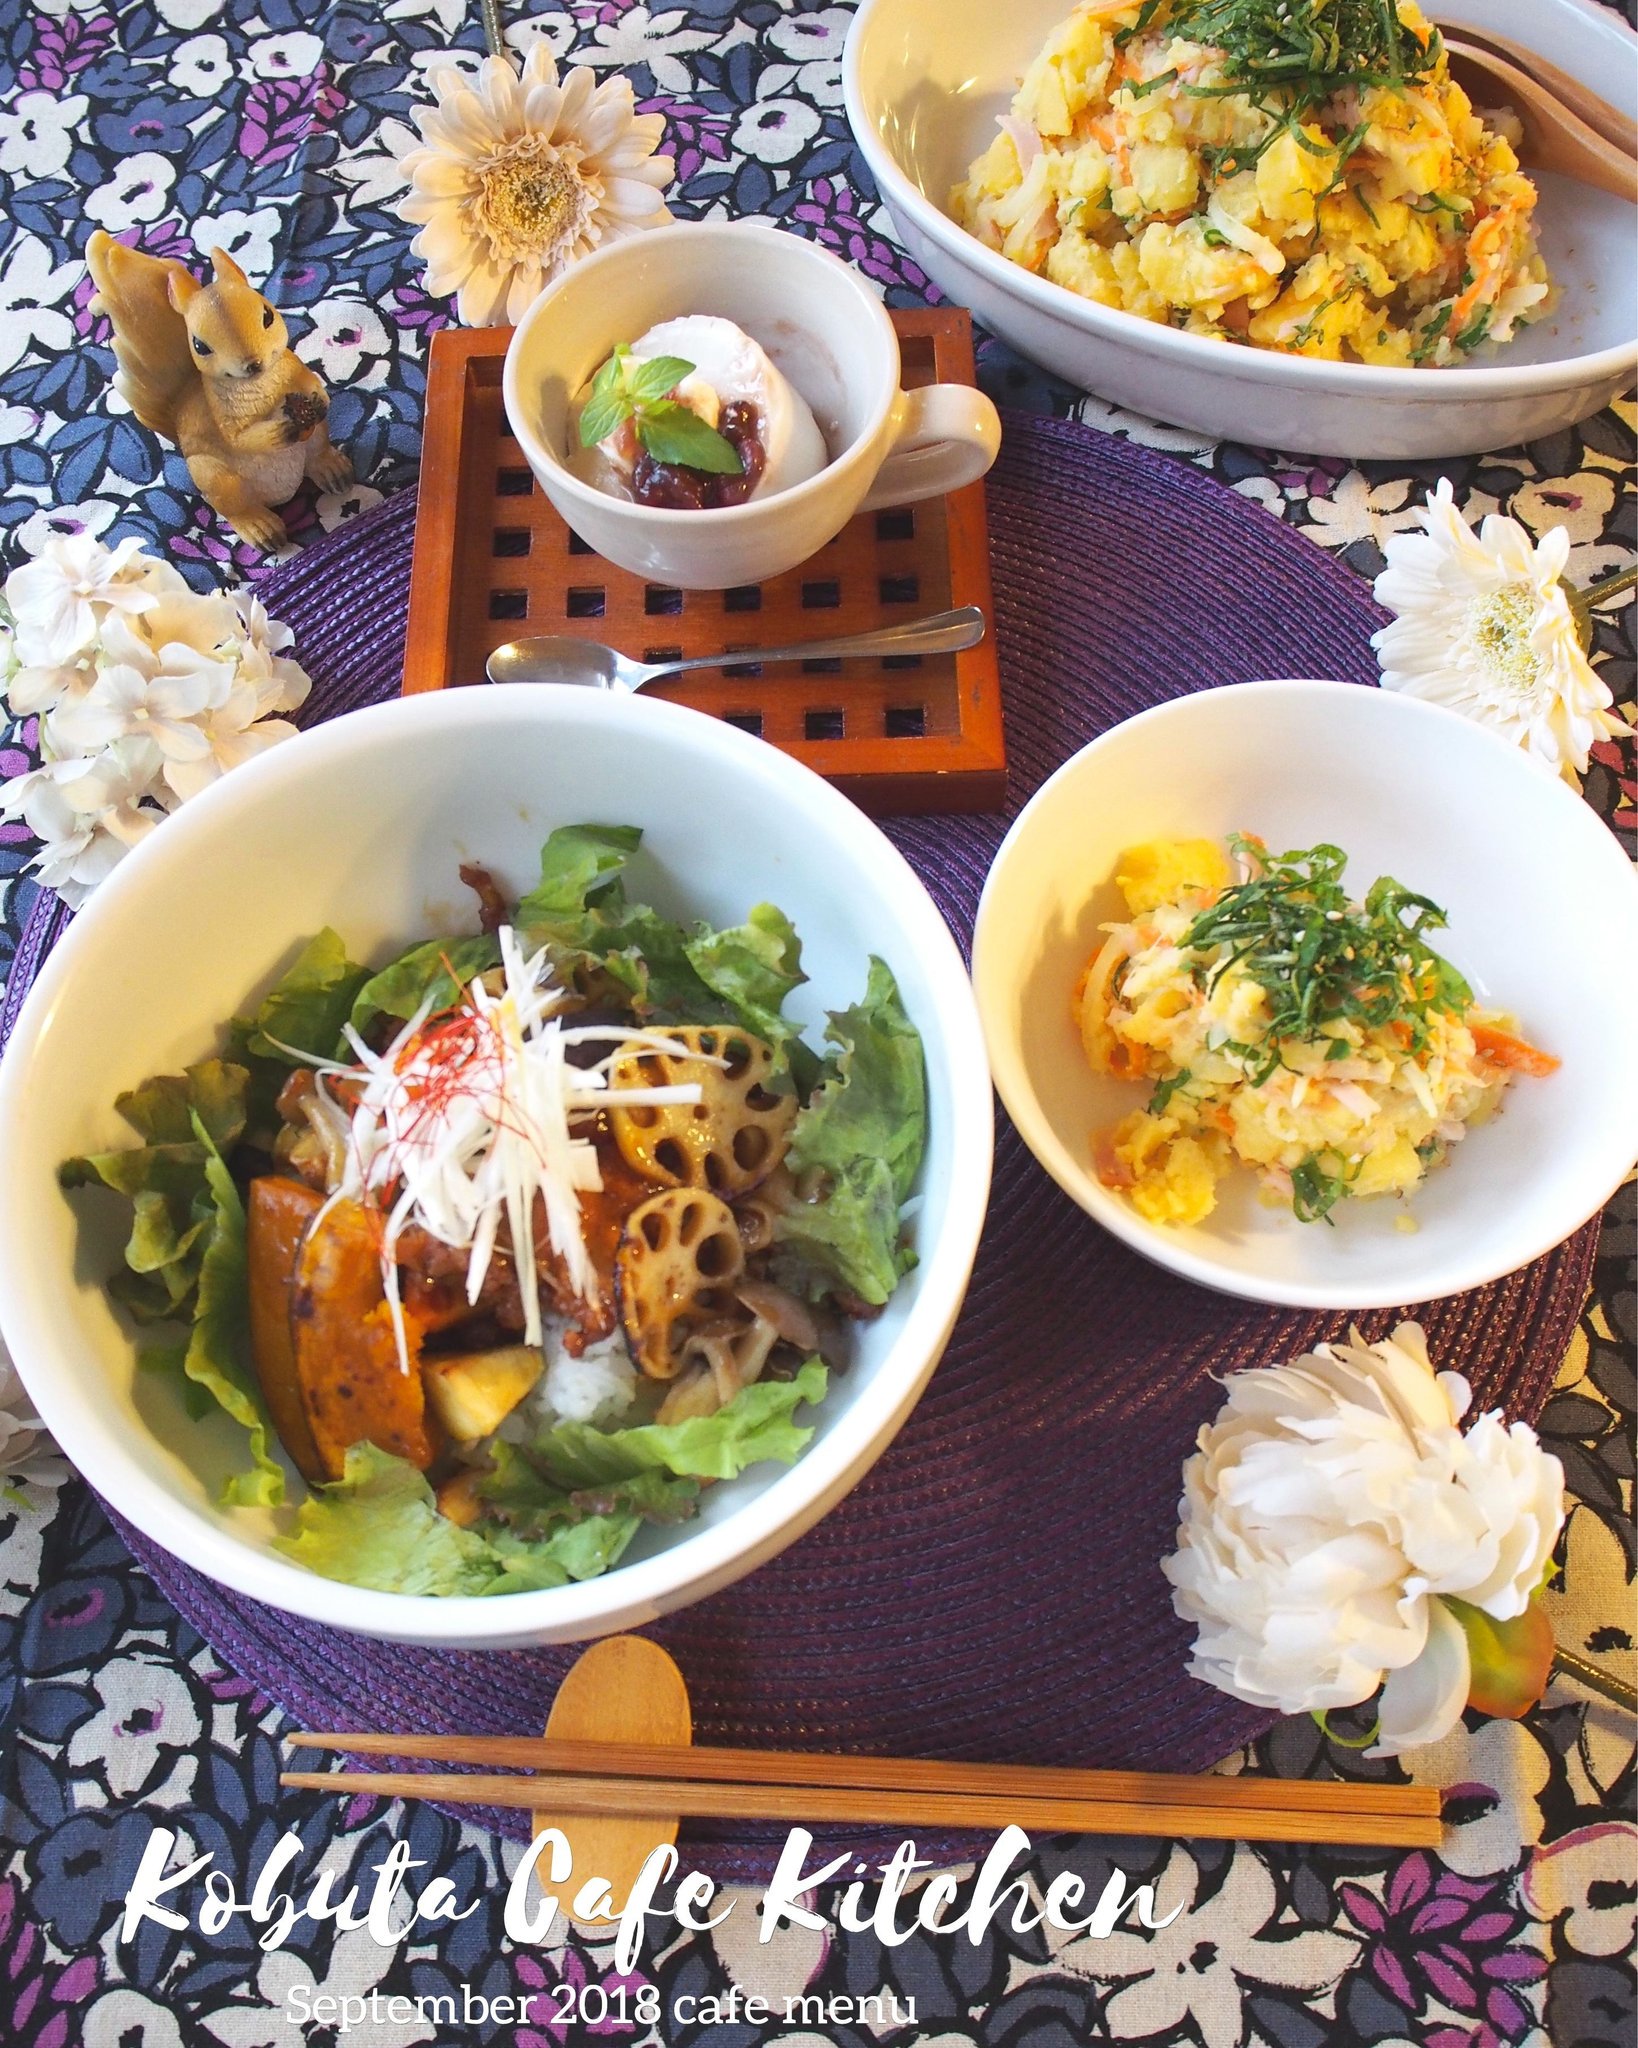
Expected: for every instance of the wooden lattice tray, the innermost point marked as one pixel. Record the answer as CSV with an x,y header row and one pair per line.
x,y
493,562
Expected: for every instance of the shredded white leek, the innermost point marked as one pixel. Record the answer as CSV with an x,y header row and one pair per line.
x,y
464,1122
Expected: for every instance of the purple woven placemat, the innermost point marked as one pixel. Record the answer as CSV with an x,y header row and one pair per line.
x,y
990,1590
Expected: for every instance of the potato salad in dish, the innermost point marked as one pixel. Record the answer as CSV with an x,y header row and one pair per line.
x,y
1299,175
517,1243
1278,1023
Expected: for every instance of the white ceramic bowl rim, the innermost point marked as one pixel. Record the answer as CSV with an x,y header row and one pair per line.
x,y
580,492
1019,1097
898,188
264,1575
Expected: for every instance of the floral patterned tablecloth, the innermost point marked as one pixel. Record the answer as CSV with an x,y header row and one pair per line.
x,y
266,127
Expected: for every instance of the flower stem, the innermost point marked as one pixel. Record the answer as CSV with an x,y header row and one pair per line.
x,y
494,34
1596,1679
1612,586
1582,601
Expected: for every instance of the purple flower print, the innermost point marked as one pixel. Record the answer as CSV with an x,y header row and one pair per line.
x,y
694,136
159,238
415,309
622,1993
830,213
281,113
1439,1937
61,48
44,1998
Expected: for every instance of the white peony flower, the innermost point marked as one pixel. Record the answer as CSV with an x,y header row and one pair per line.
x,y
1485,627
515,177
54,598
1326,1510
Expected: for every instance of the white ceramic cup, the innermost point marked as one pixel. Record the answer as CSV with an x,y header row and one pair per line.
x,y
822,326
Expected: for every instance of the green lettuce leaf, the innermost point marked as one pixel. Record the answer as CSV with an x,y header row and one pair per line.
x,y
217,1355
577,864
306,1008
162,1110
440,968
379,1526
608,947
664,971
757,1423
862,1134
519,1494
187,1117
752,967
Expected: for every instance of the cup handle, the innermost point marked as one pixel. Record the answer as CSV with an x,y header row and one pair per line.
x,y
946,435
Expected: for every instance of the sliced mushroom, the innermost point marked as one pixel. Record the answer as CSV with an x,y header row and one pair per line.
x,y
728,1141
758,1212
792,1319
677,1266
719,1361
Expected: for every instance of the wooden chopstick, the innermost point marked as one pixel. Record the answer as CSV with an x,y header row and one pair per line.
x,y
883,1808
722,1765
1215,1817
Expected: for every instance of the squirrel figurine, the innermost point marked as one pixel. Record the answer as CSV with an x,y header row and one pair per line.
x,y
208,366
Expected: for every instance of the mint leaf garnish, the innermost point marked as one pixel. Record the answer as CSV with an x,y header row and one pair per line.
x,y
671,433
626,389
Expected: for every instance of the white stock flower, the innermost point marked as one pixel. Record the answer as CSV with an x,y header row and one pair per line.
x,y
515,177
1484,627
1326,1508
37,689
128,702
21,1430
145,692
229,733
87,815
53,599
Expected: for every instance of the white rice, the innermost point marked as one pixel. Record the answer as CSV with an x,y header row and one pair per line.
x,y
598,1387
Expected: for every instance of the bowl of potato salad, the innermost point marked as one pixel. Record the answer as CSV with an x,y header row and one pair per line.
x,y
1301,1023
1279,220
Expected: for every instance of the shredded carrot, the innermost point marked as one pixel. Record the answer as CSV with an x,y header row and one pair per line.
x,y
1107,1164
1517,1055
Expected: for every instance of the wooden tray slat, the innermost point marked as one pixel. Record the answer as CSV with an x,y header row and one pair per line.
x,y
493,562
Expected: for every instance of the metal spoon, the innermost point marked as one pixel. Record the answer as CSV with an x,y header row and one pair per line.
x,y
559,659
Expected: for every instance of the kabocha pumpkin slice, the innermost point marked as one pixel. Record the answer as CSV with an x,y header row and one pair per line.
x,y
678,1262
472,1392
458,1498
278,1215
354,1387
732,1138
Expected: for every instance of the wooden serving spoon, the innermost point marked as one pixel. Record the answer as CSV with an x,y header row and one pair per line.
x,y
1555,139
623,1689
1581,100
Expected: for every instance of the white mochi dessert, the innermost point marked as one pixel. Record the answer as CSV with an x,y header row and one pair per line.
x,y
733,387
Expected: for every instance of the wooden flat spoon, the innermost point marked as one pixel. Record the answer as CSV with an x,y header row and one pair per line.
x,y
623,1689
1554,138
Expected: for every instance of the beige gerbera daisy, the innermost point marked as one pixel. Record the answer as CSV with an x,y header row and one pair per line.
x,y
515,177
1486,626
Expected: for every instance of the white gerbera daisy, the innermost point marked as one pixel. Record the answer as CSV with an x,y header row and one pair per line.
x,y
1485,626
515,177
